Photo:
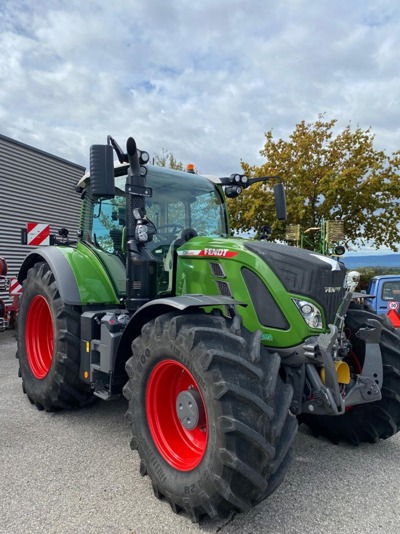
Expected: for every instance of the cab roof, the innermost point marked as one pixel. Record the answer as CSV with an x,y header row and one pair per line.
x,y
121,168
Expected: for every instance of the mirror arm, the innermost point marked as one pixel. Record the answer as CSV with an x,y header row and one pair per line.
x,y
262,179
122,157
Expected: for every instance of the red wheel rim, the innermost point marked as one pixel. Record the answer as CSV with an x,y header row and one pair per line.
x,y
183,449
39,337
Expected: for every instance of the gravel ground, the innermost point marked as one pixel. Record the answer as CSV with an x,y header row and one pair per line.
x,y
73,473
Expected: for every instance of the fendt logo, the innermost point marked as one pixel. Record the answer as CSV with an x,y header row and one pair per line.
x,y
332,289
217,252
214,252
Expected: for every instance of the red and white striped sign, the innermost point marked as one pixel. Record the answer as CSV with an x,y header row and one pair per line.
x,y
15,287
38,234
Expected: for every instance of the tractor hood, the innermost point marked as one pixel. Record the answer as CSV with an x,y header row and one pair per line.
x,y
305,272
271,279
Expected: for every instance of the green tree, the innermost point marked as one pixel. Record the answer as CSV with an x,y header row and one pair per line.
x,y
338,176
167,159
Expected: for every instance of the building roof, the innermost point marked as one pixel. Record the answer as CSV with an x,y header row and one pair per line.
x,y
39,151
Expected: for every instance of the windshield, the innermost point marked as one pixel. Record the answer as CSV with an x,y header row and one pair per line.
x,y
175,205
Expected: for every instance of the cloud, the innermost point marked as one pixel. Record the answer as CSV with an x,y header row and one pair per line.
x,y
204,80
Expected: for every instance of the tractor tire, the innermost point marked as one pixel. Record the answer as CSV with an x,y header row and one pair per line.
x,y
49,345
372,421
233,446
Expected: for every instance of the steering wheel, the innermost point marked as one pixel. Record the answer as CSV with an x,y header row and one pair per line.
x,y
169,229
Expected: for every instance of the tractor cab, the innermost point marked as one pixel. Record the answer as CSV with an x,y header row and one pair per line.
x,y
180,207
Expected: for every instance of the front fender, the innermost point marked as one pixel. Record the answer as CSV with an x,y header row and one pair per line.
x,y
158,307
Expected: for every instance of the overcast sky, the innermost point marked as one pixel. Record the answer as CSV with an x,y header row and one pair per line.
x,y
204,79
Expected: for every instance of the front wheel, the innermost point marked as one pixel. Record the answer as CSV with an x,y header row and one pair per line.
x,y
210,421
49,344
372,421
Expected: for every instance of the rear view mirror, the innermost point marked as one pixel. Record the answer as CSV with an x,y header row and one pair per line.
x,y
102,171
280,201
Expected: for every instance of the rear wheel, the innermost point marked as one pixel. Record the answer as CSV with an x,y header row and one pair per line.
x,y
372,421
210,421
49,344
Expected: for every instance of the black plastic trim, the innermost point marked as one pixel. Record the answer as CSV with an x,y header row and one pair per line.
x,y
267,309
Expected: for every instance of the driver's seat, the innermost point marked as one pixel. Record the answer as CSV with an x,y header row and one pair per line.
x,y
171,257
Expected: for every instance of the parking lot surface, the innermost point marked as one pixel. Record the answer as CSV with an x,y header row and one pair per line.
x,y
74,472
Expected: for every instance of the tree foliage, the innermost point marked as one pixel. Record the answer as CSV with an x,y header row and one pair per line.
x,y
338,176
167,159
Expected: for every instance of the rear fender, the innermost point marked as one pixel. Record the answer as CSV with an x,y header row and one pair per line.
x,y
60,268
81,278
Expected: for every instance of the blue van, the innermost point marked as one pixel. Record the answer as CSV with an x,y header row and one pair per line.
x,y
386,289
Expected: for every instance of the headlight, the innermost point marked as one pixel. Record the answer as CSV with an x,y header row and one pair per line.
x,y
239,179
309,312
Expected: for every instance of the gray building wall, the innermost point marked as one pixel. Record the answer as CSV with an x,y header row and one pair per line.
x,y
34,187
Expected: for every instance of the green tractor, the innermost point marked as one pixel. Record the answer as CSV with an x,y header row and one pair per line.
x,y
219,344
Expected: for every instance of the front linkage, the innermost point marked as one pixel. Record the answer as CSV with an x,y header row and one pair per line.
x,y
327,398
367,372
326,385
